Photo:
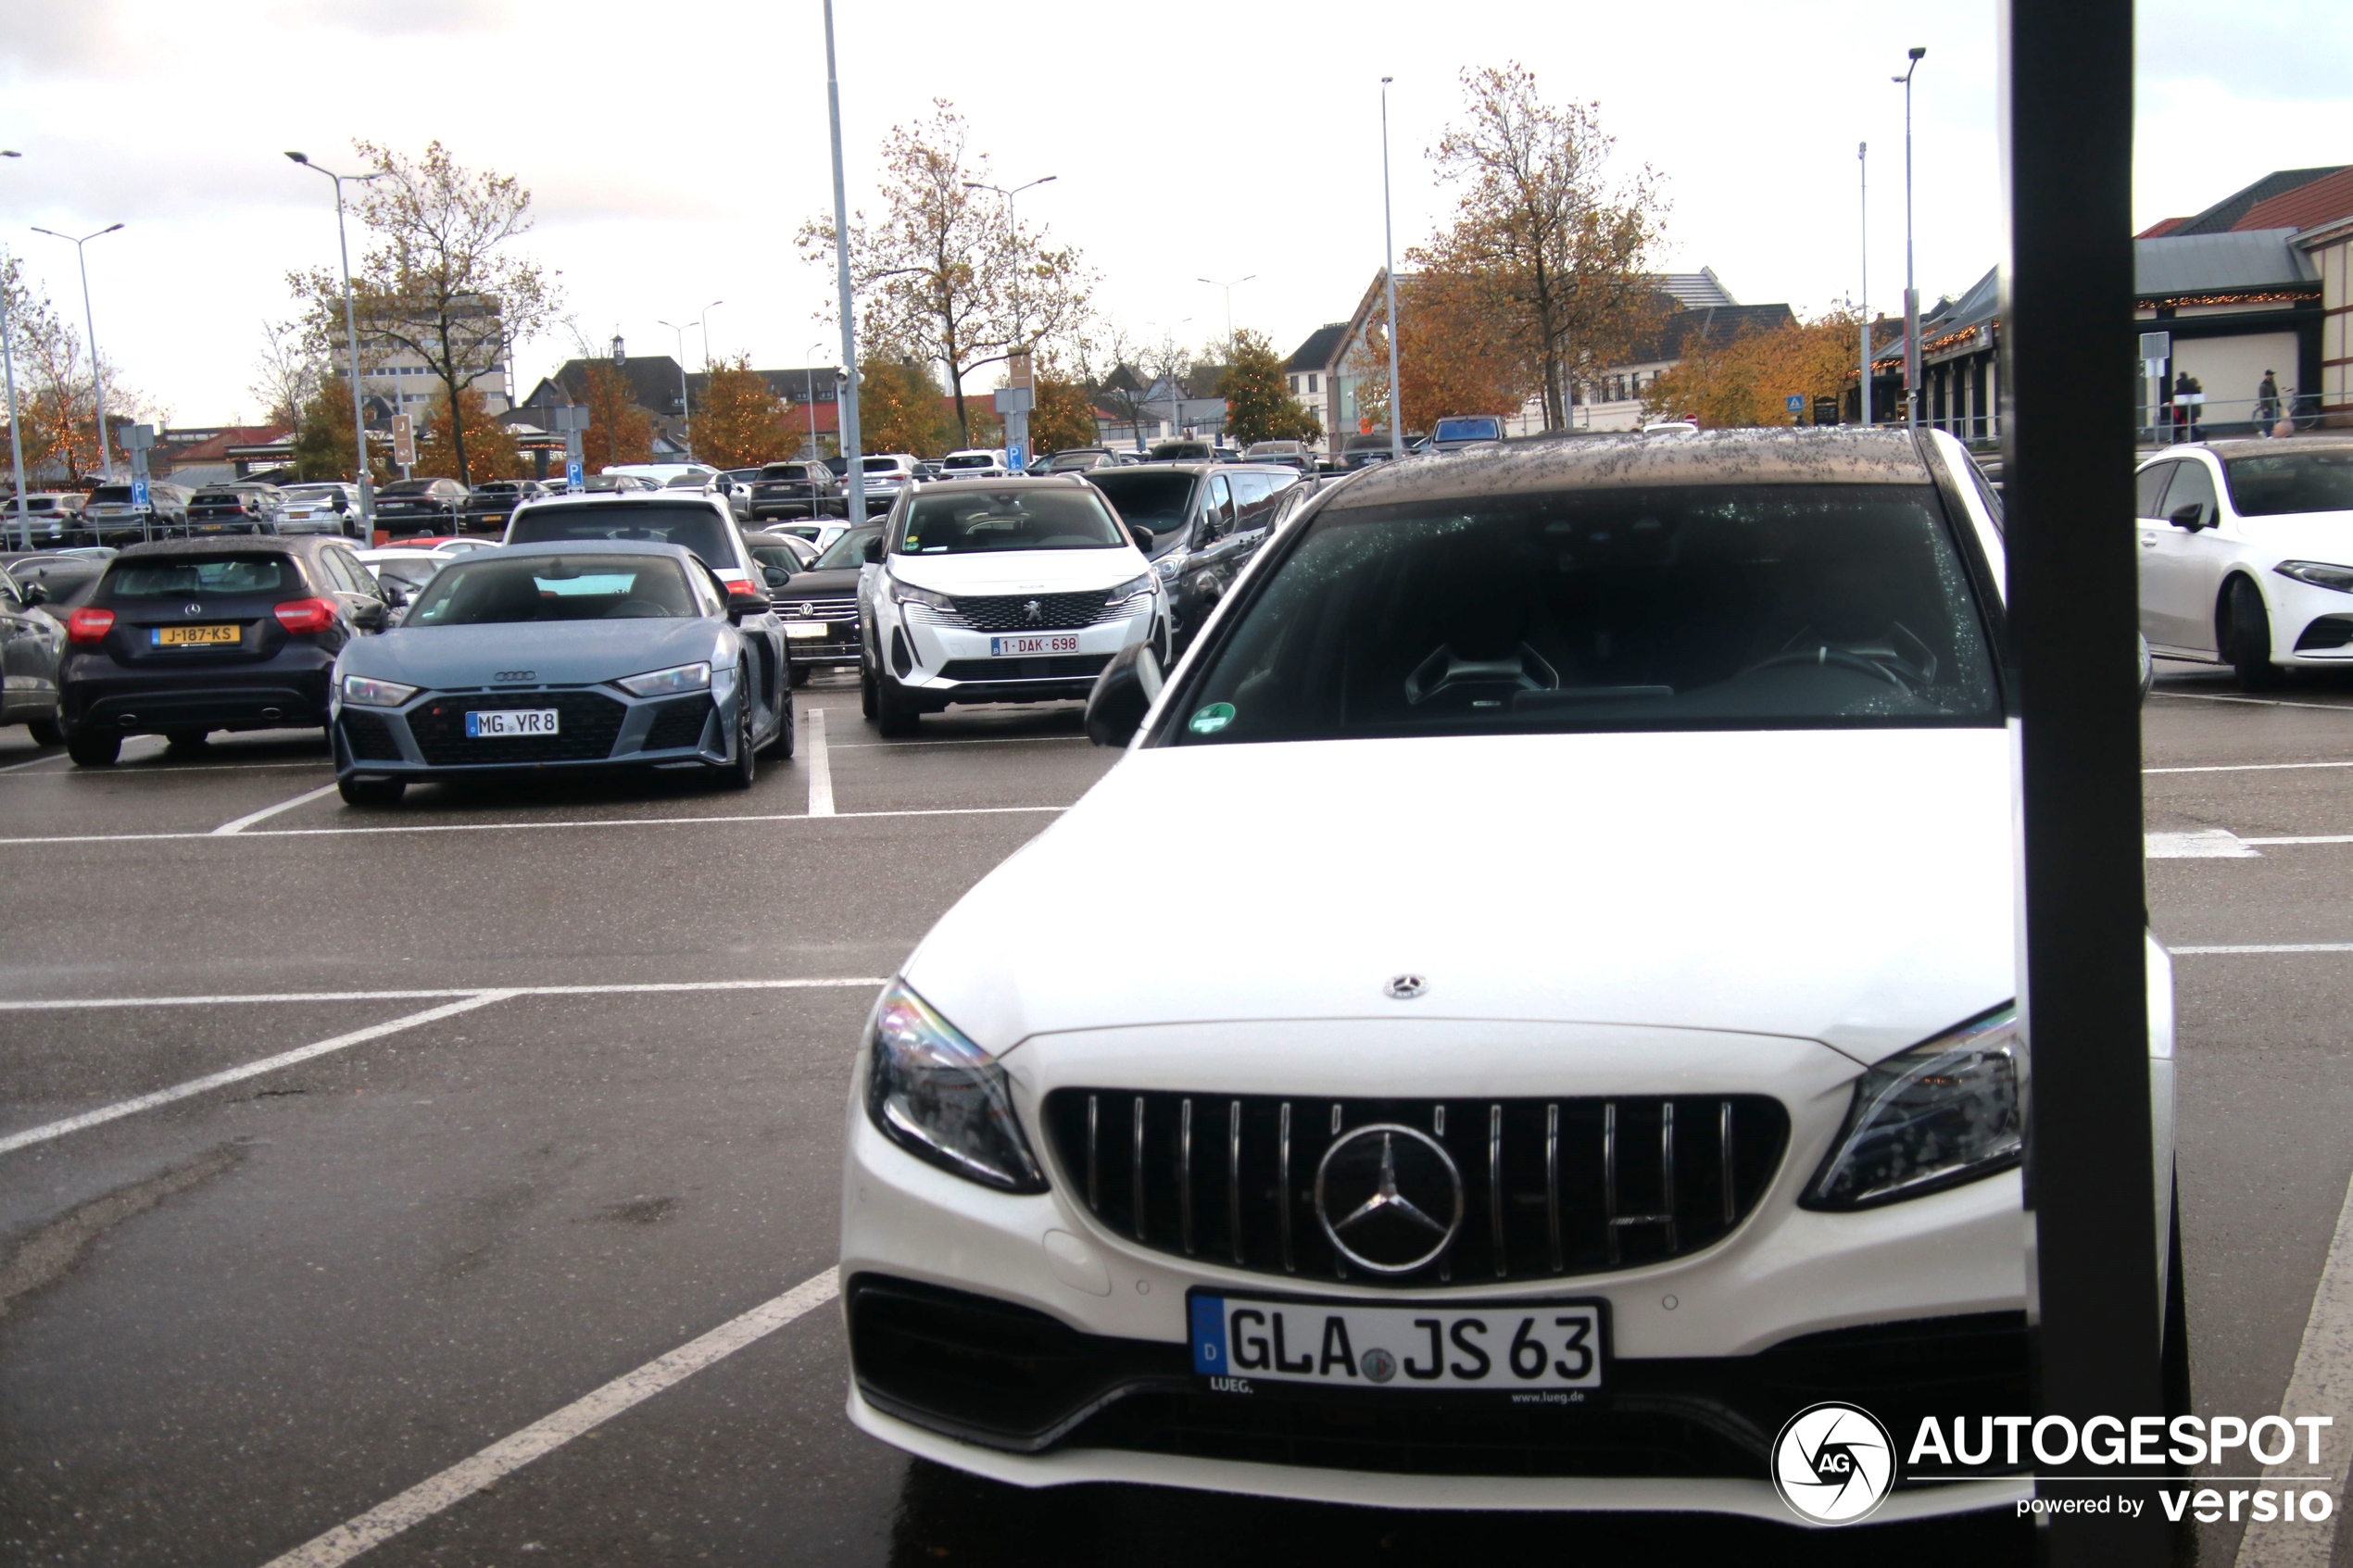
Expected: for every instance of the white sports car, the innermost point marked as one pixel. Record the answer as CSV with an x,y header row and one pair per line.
x,y
1607,1048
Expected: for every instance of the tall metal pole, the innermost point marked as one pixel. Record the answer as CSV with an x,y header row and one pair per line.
x,y
1912,290
1389,277
16,428
808,380
2066,369
686,410
1863,165
705,331
351,343
1229,289
854,469
90,330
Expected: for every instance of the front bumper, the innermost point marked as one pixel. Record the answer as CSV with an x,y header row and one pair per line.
x,y
939,664
1021,1337
598,728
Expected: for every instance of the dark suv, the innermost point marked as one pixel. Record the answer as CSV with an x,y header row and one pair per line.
x,y
1207,520
493,502
795,490
191,635
245,507
417,509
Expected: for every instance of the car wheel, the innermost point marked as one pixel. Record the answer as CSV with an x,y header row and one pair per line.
x,y
745,769
186,740
801,673
46,732
867,704
2246,641
896,715
371,792
780,746
94,750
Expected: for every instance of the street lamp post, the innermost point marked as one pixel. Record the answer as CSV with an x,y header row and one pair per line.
x,y
89,327
1912,290
809,382
1863,166
351,343
1013,218
16,431
853,468
1389,278
705,331
1230,304
685,411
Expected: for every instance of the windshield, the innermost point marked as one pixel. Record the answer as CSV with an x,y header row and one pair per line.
x,y
409,571
311,493
848,551
691,523
151,578
110,493
1684,609
594,587
968,460
778,556
975,519
1153,499
2292,481
1486,428
879,465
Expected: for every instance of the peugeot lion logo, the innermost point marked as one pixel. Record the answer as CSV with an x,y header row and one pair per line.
x,y
1033,612
1833,1463
1380,1194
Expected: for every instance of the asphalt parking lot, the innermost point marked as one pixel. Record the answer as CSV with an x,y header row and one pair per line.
x,y
492,1143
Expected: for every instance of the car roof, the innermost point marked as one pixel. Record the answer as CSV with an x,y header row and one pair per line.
x,y
1753,457
234,544
587,547
1001,482
2258,448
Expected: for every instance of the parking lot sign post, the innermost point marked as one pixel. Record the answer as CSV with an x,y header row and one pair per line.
x,y
137,441
570,422
2068,452
404,441
1014,404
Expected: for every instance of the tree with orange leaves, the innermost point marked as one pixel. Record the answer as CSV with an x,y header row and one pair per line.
x,y
1747,380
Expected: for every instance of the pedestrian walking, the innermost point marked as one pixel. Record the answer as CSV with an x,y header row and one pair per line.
x,y
2267,404
2181,408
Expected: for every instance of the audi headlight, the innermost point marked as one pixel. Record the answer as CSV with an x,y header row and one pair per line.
x,y
1130,588
2320,574
668,683
942,1098
362,691
908,594
1942,1113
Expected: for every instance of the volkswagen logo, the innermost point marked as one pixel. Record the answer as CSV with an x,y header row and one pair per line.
x,y
807,608
1390,1197
1405,988
192,609
1033,612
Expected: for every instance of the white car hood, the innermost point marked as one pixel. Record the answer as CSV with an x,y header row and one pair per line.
x,y
1848,887
1021,571
2302,536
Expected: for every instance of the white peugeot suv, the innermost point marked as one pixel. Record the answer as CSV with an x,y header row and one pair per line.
x,y
1616,1056
1000,590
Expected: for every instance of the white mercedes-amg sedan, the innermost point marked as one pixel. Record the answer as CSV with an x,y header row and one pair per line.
x,y
1599,1047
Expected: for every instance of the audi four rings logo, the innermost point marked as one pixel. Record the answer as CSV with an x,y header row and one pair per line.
x,y
1390,1197
1833,1463
514,674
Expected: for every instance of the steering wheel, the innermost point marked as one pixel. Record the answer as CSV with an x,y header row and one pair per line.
x,y
1824,655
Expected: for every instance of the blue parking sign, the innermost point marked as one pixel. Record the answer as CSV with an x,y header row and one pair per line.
x,y
572,481
1016,454
139,492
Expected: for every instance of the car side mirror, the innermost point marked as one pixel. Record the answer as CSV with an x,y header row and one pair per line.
x,y
1124,692
874,550
2192,516
741,605
34,594
395,596
777,575
1142,535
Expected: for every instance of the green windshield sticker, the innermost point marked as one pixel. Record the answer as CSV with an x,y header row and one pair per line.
x,y
1213,718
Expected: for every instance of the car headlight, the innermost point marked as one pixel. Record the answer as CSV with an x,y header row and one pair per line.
x,y
1944,1112
942,1098
1167,565
366,692
1130,588
2320,574
908,594
665,683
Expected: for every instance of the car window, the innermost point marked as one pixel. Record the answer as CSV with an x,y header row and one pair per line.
x,y
847,552
1153,499
8,599
975,521
409,571
2149,488
2291,482
1684,607
693,524
348,573
535,588
154,578
2192,486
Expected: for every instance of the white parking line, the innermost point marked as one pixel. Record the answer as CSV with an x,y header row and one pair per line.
x,y
976,740
269,811
2258,701
821,767
2248,767
550,1433
2266,947
50,1130
492,827
53,757
643,988
2206,844
2321,1385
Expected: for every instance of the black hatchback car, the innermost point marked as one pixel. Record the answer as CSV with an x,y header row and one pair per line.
x,y
243,507
418,508
190,636
795,490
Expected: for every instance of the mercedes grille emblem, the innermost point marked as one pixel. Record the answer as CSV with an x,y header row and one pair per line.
x,y
192,609
1380,1193
1405,988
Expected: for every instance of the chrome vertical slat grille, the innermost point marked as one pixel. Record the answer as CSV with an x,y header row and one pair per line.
x,y
1551,1187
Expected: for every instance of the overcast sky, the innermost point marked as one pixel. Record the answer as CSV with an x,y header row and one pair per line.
x,y
674,149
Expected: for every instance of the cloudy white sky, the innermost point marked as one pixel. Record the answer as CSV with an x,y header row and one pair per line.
x,y
674,149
